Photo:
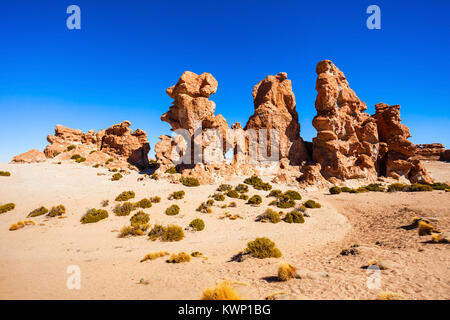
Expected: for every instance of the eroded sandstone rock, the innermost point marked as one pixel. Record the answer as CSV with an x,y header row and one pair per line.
x,y
31,156
431,151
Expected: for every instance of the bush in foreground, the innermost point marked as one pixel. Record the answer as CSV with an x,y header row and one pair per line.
x,y
189,181
312,204
294,217
140,218
224,188
173,210
144,204
94,215
233,194
286,271
270,215
5,173
262,248
197,224
335,190
255,200
222,291
167,234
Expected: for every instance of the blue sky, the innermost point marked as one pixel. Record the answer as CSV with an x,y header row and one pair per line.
x,y
118,66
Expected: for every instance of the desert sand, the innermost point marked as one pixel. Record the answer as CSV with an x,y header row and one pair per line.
x,y
34,259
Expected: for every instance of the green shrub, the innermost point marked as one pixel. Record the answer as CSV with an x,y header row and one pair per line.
x,y
294,217
270,215
154,176
233,194
224,188
362,189
243,197
97,165
241,188
7,207
232,204
124,209
5,173
312,204
294,195
109,161
133,230
173,210
75,157
94,215
38,212
169,233
140,218
375,187
219,197
335,190
80,159
114,170
57,211
116,176
125,196
397,187
416,187
253,180
273,203
263,186
210,202
144,204
189,181
263,248
205,207
171,170
71,147
346,189
440,186
177,195
197,224
275,193
155,199
285,202
256,199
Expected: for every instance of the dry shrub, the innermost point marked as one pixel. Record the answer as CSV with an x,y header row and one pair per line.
x,y
177,195
312,204
57,211
425,228
5,173
255,200
197,224
125,196
140,218
116,176
262,248
189,181
38,212
222,291
173,210
124,209
294,217
7,207
224,187
270,215
286,271
179,258
387,295
154,255
155,199
94,215
144,204
167,234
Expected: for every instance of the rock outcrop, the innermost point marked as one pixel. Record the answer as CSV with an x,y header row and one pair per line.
x,y
346,145
398,158
275,111
65,137
31,156
431,151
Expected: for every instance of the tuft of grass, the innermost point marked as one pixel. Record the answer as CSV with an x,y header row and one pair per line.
x,y
232,204
143,204
189,181
94,215
154,255
173,210
224,188
210,202
71,147
75,157
397,187
269,215
335,190
177,195
222,291
57,211
5,173
155,199
375,187
197,224
219,197
439,238
286,271
312,204
294,217
205,207
125,196
116,176
133,230
255,200
285,202
172,170
80,159
105,203
109,161
241,188
167,234
7,207
387,295
124,209
196,254
179,258
425,228
38,212
262,248
440,186
243,197
258,183
233,194
416,187
140,218
346,189
275,193
293,195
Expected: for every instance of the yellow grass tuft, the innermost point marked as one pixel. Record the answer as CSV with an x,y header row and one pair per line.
x,y
387,295
29,222
425,228
286,271
179,258
154,255
14,227
439,238
222,291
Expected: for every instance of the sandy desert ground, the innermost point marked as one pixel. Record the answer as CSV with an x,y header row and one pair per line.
x,y
34,259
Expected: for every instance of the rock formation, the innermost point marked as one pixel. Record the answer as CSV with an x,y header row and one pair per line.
x,y
275,111
397,159
31,156
432,151
64,137
445,156
346,145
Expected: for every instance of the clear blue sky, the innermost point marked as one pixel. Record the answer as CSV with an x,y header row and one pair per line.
x,y
118,66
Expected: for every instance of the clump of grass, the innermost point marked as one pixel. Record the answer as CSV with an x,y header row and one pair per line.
x,y
133,230
105,203
312,204
171,170
425,228
155,199
440,186
116,176
75,157
397,187
210,202
80,159
293,195
262,248
38,212
173,210
109,161
241,188
275,193
179,258
71,147
375,187
294,217
154,255
16,226
196,254
224,188
5,173
144,204
285,202
232,204
387,295
7,207
57,211
219,197
94,215
197,224
243,197
346,189
167,234
140,218
416,187
233,194
123,209
189,181
125,196
286,271
255,200
96,165
177,195
222,291
258,183
439,238
204,207
335,190
154,176
269,215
